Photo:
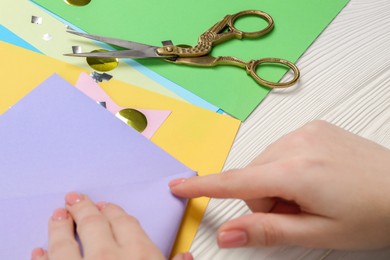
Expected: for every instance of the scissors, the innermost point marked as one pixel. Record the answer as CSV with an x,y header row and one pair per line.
x,y
198,55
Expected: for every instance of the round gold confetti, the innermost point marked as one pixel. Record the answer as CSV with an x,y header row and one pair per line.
x,y
102,64
133,118
77,2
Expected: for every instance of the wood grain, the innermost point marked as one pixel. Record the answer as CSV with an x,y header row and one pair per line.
x,y
346,81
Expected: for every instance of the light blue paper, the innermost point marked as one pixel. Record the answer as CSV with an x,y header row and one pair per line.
x,y
8,36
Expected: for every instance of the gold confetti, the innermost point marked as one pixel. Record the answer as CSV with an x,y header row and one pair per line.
x,y
133,118
77,2
102,64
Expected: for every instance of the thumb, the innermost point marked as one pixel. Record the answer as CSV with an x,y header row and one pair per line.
x,y
268,229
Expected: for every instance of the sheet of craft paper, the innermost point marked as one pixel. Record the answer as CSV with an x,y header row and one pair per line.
x,y
199,138
297,24
16,16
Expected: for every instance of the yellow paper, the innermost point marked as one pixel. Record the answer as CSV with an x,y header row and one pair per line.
x,y
197,137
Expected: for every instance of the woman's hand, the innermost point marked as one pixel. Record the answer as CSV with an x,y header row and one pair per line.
x,y
319,187
105,230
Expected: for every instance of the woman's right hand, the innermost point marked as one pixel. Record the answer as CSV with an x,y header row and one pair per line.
x,y
319,186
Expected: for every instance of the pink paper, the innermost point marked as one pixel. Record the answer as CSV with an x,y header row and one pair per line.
x,y
90,88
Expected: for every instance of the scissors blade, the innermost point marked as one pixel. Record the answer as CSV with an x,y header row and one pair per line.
x,y
117,42
132,54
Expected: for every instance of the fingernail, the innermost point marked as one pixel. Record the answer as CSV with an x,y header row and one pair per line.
x,y
59,214
101,205
37,253
176,182
188,256
183,256
233,238
72,198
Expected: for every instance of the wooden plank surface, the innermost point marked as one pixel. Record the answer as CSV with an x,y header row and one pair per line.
x,y
346,81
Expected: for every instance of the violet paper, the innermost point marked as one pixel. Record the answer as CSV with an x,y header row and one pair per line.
x,y
57,140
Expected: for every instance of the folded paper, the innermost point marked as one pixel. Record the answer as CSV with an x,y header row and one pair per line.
x,y
73,144
24,220
297,24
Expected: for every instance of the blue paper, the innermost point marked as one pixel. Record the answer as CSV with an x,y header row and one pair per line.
x,y
7,36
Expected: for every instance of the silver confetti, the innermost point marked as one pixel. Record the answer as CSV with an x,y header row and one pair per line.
x,y
36,19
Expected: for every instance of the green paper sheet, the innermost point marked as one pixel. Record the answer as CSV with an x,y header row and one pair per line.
x,y
297,24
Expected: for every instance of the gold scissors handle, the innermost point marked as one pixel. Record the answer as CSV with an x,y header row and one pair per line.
x,y
250,67
220,32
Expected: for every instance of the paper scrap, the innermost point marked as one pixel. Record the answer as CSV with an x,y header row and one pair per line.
x,y
47,37
36,20
76,49
103,104
100,77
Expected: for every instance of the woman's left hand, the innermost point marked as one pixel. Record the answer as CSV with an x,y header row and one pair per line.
x,y
105,230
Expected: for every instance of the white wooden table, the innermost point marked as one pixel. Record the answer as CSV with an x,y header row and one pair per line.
x,y
346,81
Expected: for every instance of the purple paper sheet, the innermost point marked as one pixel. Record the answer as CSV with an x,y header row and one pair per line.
x,y
57,140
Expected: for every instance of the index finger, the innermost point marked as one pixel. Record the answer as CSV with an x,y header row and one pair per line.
x,y
254,182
